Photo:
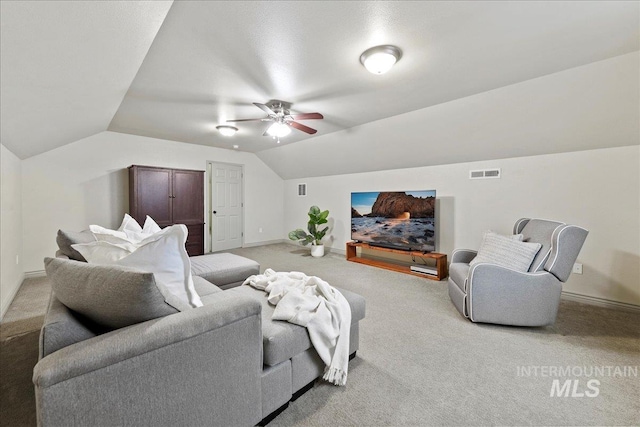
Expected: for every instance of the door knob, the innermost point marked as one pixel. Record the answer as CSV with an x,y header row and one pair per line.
x,y
215,212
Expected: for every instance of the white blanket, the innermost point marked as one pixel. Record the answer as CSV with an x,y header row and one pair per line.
x,y
313,303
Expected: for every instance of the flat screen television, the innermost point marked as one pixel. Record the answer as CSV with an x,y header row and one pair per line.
x,y
395,219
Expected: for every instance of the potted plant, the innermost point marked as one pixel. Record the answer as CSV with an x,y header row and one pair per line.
x,y
315,235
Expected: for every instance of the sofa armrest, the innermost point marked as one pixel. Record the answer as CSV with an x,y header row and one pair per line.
x,y
508,297
198,367
463,255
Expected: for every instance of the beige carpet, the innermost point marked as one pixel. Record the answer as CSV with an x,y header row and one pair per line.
x,y
419,363
19,333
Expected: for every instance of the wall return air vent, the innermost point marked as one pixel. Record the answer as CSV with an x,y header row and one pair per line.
x,y
485,173
302,190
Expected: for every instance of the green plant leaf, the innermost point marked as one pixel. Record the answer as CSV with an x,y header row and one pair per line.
x,y
320,234
298,234
314,210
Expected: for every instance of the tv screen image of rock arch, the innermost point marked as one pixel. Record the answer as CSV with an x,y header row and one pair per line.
x,y
404,219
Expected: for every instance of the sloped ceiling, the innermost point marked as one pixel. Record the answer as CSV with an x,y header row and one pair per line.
x,y
210,60
66,66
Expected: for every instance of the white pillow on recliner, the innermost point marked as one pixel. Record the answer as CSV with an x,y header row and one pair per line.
x,y
506,251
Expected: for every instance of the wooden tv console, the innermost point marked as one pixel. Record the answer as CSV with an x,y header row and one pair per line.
x,y
441,260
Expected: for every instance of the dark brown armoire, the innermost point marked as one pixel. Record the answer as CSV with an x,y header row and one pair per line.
x,y
169,196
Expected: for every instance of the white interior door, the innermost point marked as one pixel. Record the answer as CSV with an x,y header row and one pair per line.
x,y
226,206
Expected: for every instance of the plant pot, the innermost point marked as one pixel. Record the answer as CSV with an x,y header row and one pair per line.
x,y
317,251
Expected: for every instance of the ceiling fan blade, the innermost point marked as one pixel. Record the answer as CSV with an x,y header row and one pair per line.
x,y
243,120
264,108
307,116
302,127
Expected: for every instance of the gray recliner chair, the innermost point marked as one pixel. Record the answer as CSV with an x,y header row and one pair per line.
x,y
490,293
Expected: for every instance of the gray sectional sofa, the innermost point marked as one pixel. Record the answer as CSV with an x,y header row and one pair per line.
x,y
226,363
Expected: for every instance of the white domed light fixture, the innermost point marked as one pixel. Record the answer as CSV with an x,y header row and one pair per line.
x,y
226,130
279,130
380,59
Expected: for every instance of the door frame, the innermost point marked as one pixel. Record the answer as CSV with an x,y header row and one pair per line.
x,y
209,203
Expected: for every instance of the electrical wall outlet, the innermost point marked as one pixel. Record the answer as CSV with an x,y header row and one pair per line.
x,y
260,230
577,268
17,259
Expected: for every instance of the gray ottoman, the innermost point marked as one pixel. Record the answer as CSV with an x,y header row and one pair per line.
x,y
223,269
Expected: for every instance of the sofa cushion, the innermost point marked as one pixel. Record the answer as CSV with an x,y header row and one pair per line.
x,y
110,296
204,287
62,328
223,268
357,304
282,340
65,239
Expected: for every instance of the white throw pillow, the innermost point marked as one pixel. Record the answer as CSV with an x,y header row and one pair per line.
x,y
104,251
162,254
130,225
150,226
506,251
129,231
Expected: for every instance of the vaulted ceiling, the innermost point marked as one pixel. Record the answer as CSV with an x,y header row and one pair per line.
x,y
177,70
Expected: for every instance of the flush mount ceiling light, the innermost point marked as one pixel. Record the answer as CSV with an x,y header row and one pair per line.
x,y
380,59
279,130
227,130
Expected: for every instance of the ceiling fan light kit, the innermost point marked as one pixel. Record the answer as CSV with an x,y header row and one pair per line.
x,y
278,113
226,130
380,59
279,130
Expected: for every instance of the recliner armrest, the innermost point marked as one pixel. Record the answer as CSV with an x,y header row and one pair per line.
x,y
509,297
463,255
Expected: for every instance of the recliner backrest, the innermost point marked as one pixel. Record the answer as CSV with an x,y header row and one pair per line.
x,y
567,242
561,244
537,231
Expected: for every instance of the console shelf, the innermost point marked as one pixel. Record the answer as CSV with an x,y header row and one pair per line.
x,y
441,260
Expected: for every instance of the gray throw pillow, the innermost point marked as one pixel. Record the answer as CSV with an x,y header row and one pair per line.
x,y
110,296
65,239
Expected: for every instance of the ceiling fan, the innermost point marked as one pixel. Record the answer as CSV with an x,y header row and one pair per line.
x,y
283,120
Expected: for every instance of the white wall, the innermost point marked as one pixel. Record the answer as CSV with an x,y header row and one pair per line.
x,y
595,189
86,182
11,272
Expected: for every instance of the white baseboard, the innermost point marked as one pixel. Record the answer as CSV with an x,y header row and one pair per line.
x,y
342,252
37,273
327,249
7,302
600,302
263,243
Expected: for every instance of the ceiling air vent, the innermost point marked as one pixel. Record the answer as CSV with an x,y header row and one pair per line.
x,y
302,190
485,173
